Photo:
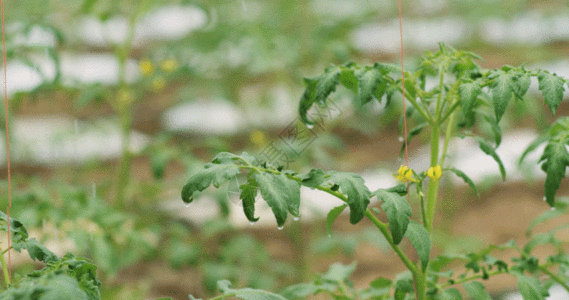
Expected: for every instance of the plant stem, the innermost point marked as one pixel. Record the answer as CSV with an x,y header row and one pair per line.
x,y
126,159
433,184
420,285
555,277
5,269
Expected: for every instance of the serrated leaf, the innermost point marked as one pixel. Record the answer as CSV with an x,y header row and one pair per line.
x,y
352,185
281,193
521,85
466,179
486,148
247,293
36,250
556,161
248,194
529,287
332,215
468,94
502,92
421,241
313,179
400,189
476,290
349,80
216,173
16,228
317,90
368,82
496,130
398,213
551,86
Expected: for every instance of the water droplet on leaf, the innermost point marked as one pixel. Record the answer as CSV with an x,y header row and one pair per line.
x,y
296,218
252,223
401,139
309,126
280,227
544,198
329,235
552,209
186,204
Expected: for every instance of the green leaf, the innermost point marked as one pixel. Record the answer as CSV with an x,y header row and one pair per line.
x,y
490,151
502,92
400,189
16,228
368,82
313,179
332,215
280,193
521,83
450,294
339,272
348,78
248,194
468,94
247,293
412,133
529,287
352,185
36,250
317,90
419,238
551,86
466,179
533,145
216,173
476,290
299,291
398,213
560,205
556,161
496,130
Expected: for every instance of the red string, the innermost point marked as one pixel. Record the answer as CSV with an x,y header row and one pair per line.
x,y
403,89
7,139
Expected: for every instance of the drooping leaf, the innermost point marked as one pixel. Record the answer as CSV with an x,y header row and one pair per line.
x,y
281,193
450,294
560,205
216,173
476,290
551,86
352,185
468,94
521,82
533,145
419,238
317,90
466,179
368,82
490,151
495,130
349,79
299,291
398,213
248,194
36,250
16,228
332,215
247,293
502,92
529,287
556,160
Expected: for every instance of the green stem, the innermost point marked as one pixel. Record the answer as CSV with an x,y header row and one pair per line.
x,y
5,269
420,286
438,111
466,279
555,277
433,184
126,159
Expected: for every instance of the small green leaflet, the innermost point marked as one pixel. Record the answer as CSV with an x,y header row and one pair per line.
x,y
352,185
313,179
556,161
299,291
476,290
468,94
502,92
551,86
216,173
490,151
466,179
521,83
247,293
332,215
280,193
419,238
529,287
339,272
450,294
317,90
398,213
248,194
369,81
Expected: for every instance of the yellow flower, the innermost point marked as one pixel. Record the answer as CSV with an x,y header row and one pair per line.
x,y
435,172
146,67
158,84
404,174
169,65
258,138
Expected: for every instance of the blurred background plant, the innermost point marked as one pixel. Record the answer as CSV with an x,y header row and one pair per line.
x,y
114,103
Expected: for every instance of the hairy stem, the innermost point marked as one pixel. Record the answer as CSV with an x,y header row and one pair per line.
x,y
5,269
433,184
